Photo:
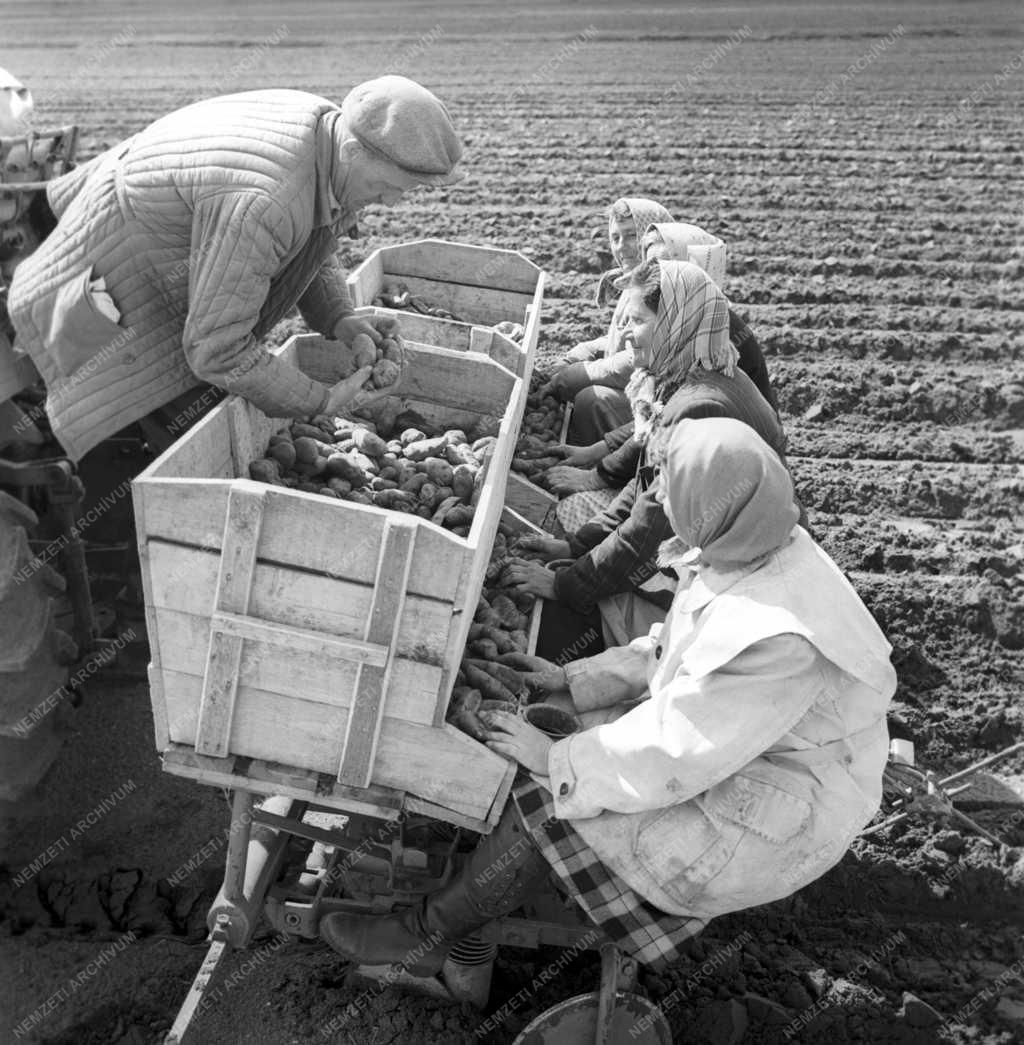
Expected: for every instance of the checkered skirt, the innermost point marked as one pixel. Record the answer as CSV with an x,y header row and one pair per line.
x,y
650,936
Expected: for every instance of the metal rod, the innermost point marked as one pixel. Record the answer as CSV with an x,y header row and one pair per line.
x,y
218,948
609,990
983,763
238,845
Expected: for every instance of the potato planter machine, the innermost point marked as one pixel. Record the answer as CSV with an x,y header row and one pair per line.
x,y
304,649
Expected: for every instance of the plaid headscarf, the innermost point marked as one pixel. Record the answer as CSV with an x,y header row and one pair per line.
x,y
644,212
692,329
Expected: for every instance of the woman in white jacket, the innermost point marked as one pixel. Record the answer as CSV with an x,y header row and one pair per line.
x,y
727,759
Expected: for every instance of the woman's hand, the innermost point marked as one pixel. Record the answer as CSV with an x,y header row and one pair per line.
x,y
565,480
549,547
348,326
515,738
581,456
531,577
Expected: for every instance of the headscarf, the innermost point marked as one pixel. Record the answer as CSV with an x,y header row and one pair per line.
x,y
692,329
730,502
729,498
16,105
680,241
644,212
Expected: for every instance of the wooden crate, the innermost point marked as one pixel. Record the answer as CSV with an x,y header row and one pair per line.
x,y
302,645
483,286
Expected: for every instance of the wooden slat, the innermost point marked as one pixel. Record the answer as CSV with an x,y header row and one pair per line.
x,y
365,282
204,452
461,263
367,711
246,505
299,639
470,303
293,598
303,530
529,500
511,355
437,763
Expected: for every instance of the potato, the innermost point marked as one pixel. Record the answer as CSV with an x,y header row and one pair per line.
x,y
464,698
520,640
308,487
455,437
480,445
424,448
461,454
506,610
424,511
300,430
411,435
370,444
483,608
392,350
463,482
428,494
266,470
284,453
358,497
326,491
394,446
318,467
442,508
385,373
281,437
415,483
339,485
377,483
368,464
393,499
439,471
341,466
485,649
365,351
459,516
307,449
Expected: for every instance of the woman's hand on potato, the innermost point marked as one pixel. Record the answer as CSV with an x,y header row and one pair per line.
x,y
564,479
348,326
581,456
515,738
531,577
549,547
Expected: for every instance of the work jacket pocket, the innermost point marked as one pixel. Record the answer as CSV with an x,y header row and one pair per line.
x,y
761,805
683,849
78,334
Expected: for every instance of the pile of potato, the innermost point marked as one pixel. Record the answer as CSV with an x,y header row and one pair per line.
x,y
432,477
541,430
491,673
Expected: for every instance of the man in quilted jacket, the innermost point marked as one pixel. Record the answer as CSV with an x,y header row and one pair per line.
x,y
178,249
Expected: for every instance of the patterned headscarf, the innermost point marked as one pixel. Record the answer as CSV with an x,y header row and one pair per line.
x,y
680,241
728,496
644,212
691,329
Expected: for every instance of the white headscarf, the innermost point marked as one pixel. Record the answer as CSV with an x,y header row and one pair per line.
x,y
681,241
644,212
15,105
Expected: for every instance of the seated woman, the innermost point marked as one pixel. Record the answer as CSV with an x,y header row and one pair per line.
x,y
596,426
686,368
603,363
727,760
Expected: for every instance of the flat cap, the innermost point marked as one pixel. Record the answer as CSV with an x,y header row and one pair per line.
x,y
405,123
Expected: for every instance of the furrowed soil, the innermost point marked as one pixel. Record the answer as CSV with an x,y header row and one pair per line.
x,y
864,165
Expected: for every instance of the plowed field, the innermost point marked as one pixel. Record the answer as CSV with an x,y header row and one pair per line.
x,y
864,164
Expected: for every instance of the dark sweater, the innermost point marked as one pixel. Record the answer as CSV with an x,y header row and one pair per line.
x,y
617,551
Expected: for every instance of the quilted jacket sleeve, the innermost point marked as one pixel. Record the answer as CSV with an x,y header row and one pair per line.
x,y
241,239
326,299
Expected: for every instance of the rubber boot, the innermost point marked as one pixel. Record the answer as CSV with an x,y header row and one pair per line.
x,y
498,876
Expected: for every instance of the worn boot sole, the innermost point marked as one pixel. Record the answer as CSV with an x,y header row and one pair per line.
x,y
375,940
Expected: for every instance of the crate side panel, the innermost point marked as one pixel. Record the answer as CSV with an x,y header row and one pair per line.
x,y
439,765
303,530
322,679
460,263
203,452
470,304
184,580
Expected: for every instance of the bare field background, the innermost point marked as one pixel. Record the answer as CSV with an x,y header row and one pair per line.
x,y
864,164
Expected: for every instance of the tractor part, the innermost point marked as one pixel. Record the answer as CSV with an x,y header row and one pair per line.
x,y
608,1016
920,791
468,969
